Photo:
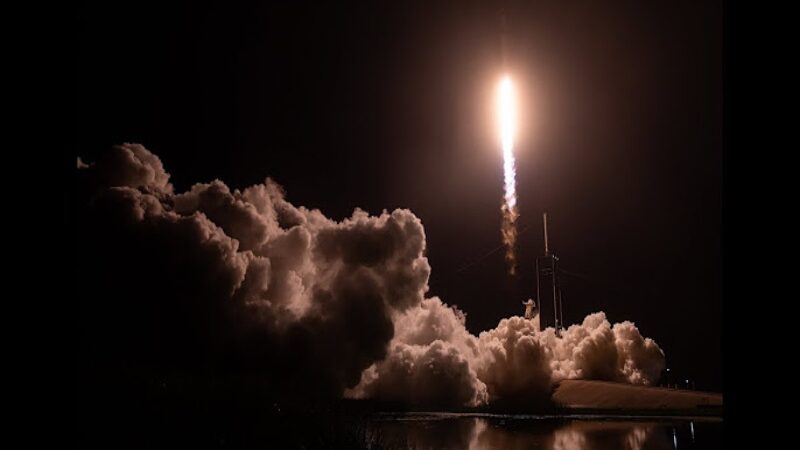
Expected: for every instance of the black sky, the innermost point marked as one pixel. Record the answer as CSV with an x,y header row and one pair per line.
x,y
389,106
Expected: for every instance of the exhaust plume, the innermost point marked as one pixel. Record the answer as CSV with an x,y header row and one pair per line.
x,y
507,120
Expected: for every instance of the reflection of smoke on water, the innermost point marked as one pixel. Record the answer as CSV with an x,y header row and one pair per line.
x,y
637,436
576,435
568,439
510,433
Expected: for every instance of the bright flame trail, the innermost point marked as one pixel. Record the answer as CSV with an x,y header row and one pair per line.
x,y
508,122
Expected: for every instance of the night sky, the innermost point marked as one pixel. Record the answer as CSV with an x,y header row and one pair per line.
x,y
391,106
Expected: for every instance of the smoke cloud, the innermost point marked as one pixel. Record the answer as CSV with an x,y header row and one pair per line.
x,y
226,281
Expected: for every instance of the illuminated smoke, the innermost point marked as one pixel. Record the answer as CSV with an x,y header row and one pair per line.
x,y
243,284
508,118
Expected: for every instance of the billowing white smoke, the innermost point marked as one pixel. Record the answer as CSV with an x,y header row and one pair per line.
x,y
246,281
512,363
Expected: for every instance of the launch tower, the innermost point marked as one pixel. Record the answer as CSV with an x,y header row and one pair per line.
x,y
548,287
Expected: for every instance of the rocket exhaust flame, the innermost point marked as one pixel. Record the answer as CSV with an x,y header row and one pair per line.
x,y
507,121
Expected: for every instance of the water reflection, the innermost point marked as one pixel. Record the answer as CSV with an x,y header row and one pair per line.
x,y
514,432
576,435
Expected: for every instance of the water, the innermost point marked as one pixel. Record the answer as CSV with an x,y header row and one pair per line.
x,y
479,432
